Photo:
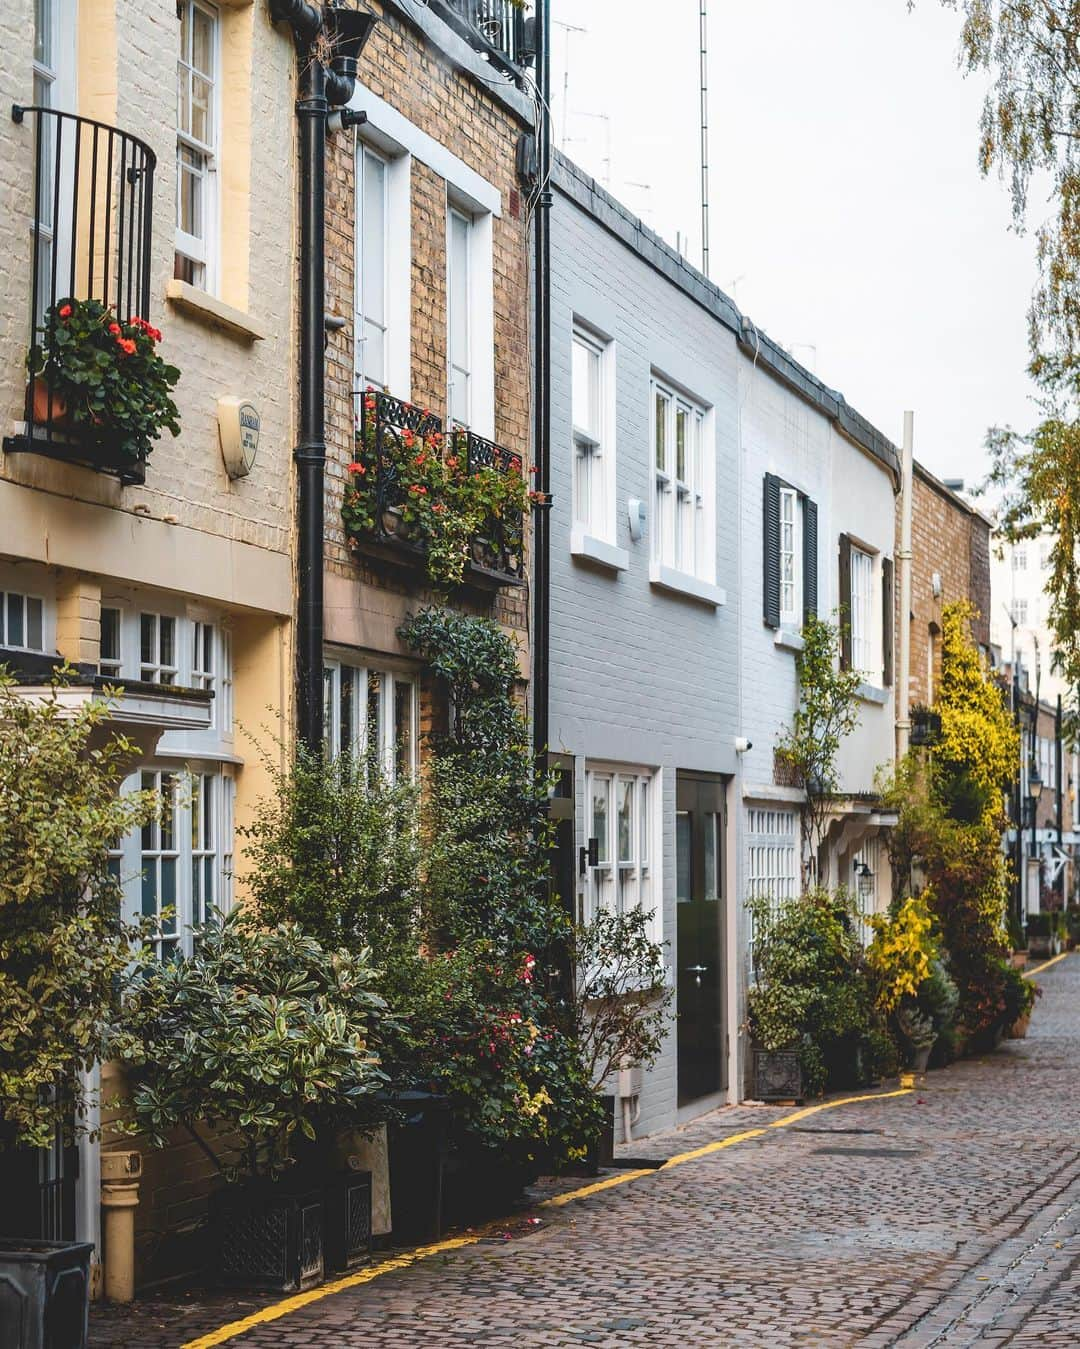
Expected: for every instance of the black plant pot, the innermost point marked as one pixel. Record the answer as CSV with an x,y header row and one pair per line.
x,y
417,1143
44,1294
777,1075
268,1236
347,1220
601,1153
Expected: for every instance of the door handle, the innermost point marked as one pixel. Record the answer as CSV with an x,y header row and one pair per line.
x,y
696,969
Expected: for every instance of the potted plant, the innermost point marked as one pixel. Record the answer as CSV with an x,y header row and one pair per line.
x,y
1019,999
101,378
925,725
67,959
258,1045
619,1006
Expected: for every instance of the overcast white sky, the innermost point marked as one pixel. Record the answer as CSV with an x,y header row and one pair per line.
x,y
848,215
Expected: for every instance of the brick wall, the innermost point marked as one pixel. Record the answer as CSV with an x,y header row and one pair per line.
x,y
950,539
402,67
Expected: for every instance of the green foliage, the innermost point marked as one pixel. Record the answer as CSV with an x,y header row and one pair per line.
x,y
64,952
444,503
116,388
950,824
621,995
812,990
336,849
826,715
263,1033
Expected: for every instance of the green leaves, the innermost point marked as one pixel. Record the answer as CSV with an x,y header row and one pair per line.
x,y
263,1032
65,955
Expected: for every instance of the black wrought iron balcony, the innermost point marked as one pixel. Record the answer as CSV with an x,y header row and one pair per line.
x,y
90,229
453,503
498,29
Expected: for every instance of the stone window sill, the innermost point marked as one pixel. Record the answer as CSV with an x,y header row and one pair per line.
x,y
681,583
590,549
870,694
788,639
205,308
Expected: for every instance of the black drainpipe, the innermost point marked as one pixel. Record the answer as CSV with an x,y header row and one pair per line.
x,y
542,403
341,34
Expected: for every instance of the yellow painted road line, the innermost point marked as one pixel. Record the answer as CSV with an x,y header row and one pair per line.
x,y
291,1304
1030,974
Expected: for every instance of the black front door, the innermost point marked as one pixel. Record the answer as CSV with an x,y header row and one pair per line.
x,y
699,908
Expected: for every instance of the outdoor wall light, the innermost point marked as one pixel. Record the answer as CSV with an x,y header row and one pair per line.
x,y
1035,782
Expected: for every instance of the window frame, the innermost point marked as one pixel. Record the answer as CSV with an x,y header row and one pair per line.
x,y
336,671
679,498
862,615
465,301
364,151
28,597
593,446
201,254
618,884
792,617
771,855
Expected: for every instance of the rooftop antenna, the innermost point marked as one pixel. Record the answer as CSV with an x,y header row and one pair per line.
x,y
606,161
567,28
704,58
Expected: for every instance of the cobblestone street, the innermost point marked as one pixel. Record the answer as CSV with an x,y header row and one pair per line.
x,y
948,1216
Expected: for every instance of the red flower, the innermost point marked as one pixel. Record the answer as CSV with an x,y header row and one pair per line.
x,y
420,460
126,345
439,507
418,489
114,329
357,468
65,311
452,461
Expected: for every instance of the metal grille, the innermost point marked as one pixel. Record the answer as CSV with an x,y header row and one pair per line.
x,y
358,1215
311,1243
777,1076
495,27
254,1244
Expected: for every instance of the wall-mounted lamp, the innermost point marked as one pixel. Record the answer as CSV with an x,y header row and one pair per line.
x,y
742,745
935,585
589,856
635,511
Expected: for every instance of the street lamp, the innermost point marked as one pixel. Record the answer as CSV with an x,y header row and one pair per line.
x,y
1035,787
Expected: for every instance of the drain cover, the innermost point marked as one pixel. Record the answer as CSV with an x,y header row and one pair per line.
x,y
869,1152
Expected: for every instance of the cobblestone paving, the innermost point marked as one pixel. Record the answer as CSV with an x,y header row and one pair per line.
x,y
948,1217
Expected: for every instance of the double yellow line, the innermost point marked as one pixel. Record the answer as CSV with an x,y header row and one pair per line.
x,y
291,1304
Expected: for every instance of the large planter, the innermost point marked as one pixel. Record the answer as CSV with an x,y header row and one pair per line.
x,y
347,1228
44,1294
920,1058
777,1075
1019,1028
418,1140
601,1153
267,1236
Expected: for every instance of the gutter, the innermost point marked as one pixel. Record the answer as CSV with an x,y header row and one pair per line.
x,y
340,34
542,404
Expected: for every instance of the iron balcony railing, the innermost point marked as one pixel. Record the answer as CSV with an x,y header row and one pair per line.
x,y
391,431
499,29
91,232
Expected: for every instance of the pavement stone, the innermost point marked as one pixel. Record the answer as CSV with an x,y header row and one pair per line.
x,y
946,1218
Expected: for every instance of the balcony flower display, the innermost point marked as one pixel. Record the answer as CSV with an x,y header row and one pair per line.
x,y
454,497
101,379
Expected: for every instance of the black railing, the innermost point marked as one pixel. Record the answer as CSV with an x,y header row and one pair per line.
x,y
501,546
496,28
91,232
393,431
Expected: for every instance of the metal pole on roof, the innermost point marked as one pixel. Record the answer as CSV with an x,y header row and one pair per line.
x,y
903,566
704,66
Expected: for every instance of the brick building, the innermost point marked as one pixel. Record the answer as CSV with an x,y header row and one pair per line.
x,y
950,561
427,263
134,176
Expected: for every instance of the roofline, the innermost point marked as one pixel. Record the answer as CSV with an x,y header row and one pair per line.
x,y
757,346
921,471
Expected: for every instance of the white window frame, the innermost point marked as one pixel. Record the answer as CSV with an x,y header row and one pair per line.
x,y
26,600
479,301
55,76
772,857
862,615
202,252
1019,610
366,377
620,883
593,447
1019,558
459,296
339,674
682,533
791,558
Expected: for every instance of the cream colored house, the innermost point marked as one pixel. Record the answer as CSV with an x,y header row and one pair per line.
x,y
149,163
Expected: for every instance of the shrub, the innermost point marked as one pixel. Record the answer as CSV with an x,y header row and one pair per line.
x,y
263,1034
116,388
65,954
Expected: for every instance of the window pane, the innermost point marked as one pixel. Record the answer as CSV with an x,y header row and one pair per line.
x,y
585,376
683,841
34,638
583,483
660,432
459,291
643,797
202,42
680,444
168,894
110,635
149,889
374,356
373,260
147,639
711,849
347,709
600,796
626,819
15,631
403,719
43,32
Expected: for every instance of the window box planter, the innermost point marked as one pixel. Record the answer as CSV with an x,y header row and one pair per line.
x,y
267,1237
925,726
44,1294
777,1075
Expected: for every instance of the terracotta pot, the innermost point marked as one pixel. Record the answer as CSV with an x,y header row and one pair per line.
x,y
1019,1028
47,407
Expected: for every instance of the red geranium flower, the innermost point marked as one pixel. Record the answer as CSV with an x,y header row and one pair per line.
x,y
114,329
357,468
126,345
65,311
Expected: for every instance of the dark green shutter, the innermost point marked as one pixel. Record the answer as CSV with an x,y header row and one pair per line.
x,y
844,604
771,553
887,621
809,552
